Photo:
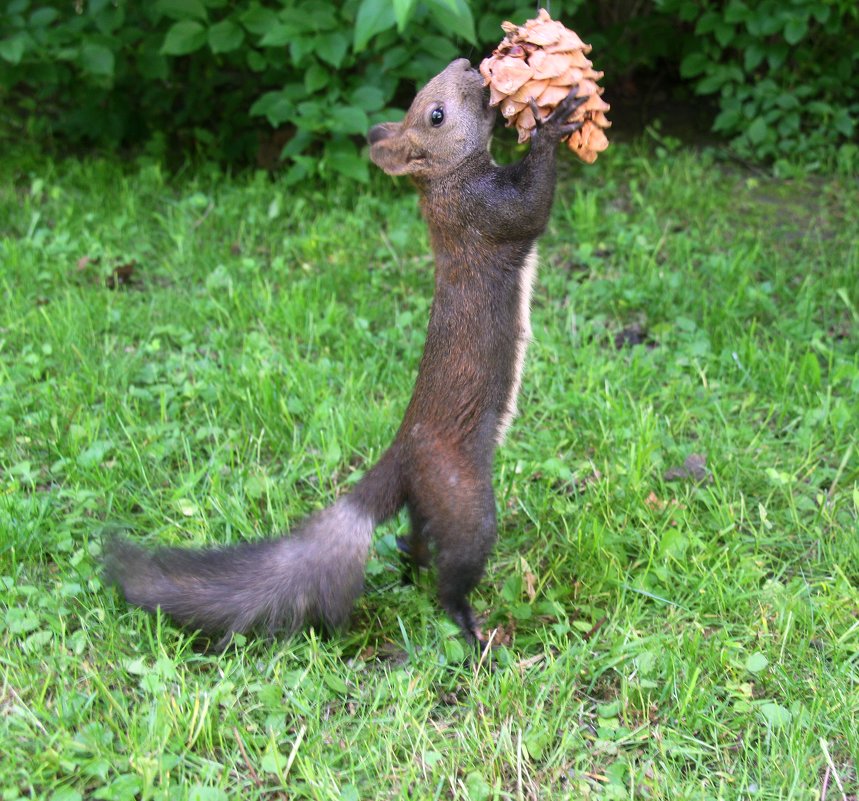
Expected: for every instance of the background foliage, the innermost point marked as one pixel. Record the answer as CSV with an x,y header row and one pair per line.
x,y
183,76
782,71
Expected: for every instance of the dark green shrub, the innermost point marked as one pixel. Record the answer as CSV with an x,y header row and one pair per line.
x,y
784,72
235,79
207,74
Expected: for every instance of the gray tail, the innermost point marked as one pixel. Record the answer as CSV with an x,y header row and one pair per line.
x,y
312,576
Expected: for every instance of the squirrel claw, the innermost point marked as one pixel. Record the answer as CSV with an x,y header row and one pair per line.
x,y
559,119
567,130
567,106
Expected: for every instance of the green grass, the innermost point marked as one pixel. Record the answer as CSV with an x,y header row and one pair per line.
x,y
662,639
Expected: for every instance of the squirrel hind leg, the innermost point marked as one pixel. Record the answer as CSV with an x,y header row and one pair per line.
x,y
461,613
454,505
414,547
463,547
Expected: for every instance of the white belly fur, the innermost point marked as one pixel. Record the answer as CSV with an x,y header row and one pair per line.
x,y
527,274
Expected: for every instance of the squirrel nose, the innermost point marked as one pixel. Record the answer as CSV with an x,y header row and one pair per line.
x,y
462,63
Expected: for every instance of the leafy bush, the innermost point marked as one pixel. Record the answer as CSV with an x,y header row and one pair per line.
x,y
205,73
784,71
302,80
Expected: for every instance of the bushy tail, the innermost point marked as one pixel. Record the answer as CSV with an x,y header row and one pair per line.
x,y
313,575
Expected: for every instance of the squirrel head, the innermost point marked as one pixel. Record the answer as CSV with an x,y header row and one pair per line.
x,y
449,120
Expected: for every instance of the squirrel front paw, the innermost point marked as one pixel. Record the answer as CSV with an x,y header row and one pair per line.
x,y
557,125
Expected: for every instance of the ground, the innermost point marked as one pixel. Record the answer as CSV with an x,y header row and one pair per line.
x,y
198,358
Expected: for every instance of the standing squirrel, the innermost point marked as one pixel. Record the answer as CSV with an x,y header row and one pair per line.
x,y
484,220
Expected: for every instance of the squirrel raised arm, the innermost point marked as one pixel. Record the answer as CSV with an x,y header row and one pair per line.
x,y
444,139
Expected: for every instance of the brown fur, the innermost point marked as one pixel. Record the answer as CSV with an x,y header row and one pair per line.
x,y
483,221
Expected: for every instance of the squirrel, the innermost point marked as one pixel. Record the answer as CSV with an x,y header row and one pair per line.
x,y
484,220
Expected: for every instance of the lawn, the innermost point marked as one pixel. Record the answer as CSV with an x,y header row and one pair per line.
x,y
200,358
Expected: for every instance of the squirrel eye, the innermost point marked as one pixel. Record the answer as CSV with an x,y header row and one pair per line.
x,y
437,116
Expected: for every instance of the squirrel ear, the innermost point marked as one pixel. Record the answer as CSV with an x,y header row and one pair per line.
x,y
390,149
384,130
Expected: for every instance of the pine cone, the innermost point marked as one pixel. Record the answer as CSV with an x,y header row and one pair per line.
x,y
544,60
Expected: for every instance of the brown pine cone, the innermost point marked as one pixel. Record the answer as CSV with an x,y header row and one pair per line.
x,y
544,60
